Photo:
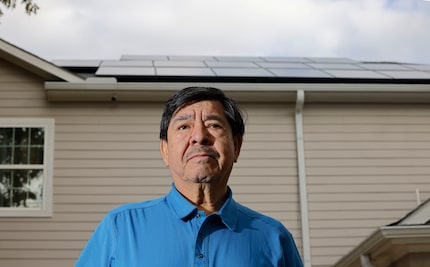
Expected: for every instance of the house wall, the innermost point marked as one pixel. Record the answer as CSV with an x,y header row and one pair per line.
x,y
107,154
364,164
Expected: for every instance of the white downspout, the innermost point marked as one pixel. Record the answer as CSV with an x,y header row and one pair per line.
x,y
365,261
302,179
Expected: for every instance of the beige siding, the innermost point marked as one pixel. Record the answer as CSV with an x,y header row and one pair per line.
x,y
265,177
107,154
364,164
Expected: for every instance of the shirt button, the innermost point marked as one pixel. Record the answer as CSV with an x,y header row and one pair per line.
x,y
201,256
197,215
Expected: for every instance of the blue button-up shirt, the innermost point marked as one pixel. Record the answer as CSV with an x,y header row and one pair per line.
x,y
170,231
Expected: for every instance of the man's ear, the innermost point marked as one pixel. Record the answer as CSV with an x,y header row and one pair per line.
x,y
164,152
237,146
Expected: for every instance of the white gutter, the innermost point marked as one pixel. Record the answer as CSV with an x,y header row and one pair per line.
x,y
102,89
302,179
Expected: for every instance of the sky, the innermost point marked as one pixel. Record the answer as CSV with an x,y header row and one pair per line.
x,y
363,30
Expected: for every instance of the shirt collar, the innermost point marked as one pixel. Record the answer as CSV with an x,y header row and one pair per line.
x,y
183,209
229,211
179,204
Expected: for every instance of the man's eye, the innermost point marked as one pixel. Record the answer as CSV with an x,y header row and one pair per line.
x,y
215,126
182,127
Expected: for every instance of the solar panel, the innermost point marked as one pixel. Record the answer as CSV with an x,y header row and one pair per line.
x,y
232,66
242,72
125,71
384,66
407,74
300,73
360,74
334,66
126,63
283,65
184,72
174,63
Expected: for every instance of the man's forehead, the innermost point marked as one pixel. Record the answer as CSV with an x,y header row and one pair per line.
x,y
207,107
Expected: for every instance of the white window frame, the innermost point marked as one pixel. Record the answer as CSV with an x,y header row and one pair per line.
x,y
48,163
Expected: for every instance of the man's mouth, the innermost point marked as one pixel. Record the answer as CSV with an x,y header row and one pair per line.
x,y
201,152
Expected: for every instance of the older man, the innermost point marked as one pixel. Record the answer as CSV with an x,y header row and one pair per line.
x,y
197,223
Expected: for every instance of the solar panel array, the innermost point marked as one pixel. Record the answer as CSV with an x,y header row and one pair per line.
x,y
257,67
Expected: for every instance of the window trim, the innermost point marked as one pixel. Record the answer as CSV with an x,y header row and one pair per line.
x,y
48,166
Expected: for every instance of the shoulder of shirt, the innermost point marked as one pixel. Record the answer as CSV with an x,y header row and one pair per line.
x,y
126,208
269,222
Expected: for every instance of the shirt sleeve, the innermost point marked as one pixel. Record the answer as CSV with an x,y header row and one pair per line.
x,y
291,254
98,251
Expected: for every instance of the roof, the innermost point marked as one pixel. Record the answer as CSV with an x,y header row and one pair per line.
x,y
270,79
418,216
135,68
261,79
389,243
36,65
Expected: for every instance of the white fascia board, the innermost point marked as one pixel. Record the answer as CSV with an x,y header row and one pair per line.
x,y
104,83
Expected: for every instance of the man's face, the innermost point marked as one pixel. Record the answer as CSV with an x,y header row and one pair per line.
x,y
200,146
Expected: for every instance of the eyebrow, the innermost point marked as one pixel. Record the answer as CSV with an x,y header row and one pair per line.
x,y
182,118
187,117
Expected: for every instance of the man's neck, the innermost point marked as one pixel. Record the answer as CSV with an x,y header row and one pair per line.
x,y
206,197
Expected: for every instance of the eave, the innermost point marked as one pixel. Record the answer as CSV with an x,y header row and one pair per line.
x,y
107,89
388,244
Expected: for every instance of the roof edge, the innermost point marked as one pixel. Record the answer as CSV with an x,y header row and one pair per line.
x,y
35,64
382,235
103,90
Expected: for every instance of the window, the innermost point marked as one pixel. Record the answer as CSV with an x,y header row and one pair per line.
x,y
26,166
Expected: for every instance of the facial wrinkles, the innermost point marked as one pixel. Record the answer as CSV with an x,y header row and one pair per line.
x,y
196,149
205,150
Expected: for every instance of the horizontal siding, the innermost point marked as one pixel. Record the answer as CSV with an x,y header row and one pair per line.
x,y
364,164
265,176
107,154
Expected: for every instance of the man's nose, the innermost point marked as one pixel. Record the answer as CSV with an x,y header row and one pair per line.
x,y
200,135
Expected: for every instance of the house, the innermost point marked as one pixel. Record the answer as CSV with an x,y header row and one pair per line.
x,y
334,148
405,243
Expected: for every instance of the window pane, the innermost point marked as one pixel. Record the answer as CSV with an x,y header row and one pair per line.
x,y
26,188
6,136
37,136
36,155
21,136
5,188
20,155
5,155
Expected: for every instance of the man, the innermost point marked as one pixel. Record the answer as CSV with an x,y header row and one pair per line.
x,y
197,223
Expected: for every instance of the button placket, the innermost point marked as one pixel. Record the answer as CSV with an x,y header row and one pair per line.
x,y
201,258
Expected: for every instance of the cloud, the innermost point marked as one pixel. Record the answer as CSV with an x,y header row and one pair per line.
x,y
362,29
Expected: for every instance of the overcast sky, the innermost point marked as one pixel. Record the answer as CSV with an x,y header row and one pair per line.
x,y
364,30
